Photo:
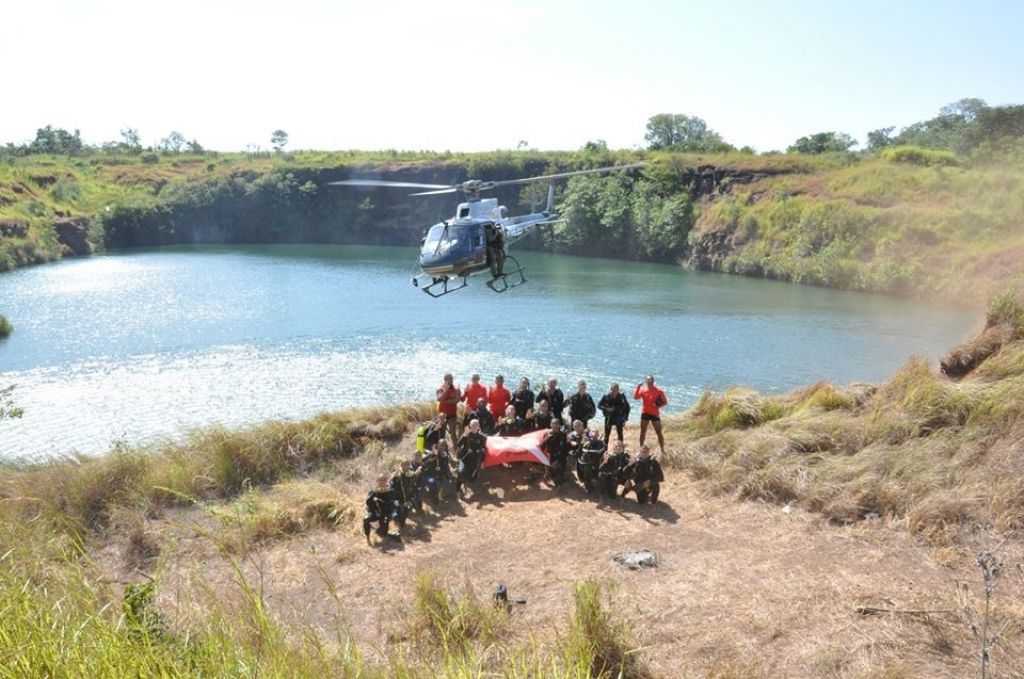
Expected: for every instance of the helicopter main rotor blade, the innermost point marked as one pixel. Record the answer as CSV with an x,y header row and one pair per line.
x,y
451,189
563,175
381,182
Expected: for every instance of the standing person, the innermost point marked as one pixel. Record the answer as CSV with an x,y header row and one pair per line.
x,y
483,415
470,452
615,407
498,398
448,397
556,447
646,475
581,405
473,392
654,400
553,395
406,486
431,432
522,398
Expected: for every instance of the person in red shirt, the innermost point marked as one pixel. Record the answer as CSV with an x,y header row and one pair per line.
x,y
473,392
654,400
498,398
448,397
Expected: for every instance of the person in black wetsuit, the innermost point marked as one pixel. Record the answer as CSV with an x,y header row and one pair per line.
x,y
646,476
522,398
576,438
470,451
615,407
581,405
542,417
588,464
436,473
510,425
406,485
610,471
382,506
556,447
553,395
483,415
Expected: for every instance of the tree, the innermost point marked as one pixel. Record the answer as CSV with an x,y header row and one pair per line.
x,y
57,141
131,140
172,143
823,142
968,109
996,126
880,138
194,147
677,132
278,139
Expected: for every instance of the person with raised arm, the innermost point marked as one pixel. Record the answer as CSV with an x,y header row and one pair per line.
x,y
654,400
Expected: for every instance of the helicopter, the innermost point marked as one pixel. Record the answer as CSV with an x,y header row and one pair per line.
x,y
477,238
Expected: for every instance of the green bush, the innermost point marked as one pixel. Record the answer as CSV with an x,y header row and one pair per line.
x,y
5,327
150,158
1004,308
919,156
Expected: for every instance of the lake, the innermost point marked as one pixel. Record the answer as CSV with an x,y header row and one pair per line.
x,y
143,345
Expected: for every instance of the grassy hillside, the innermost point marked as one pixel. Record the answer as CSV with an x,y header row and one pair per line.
x,y
180,560
909,221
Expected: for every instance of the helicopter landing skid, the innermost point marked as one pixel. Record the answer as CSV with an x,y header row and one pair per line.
x,y
439,286
501,283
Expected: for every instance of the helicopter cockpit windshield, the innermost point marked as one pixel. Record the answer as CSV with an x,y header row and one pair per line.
x,y
442,239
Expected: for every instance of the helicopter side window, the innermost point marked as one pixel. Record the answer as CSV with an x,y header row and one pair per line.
x,y
464,212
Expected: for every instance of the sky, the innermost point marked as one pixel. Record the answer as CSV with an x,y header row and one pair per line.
x,y
482,75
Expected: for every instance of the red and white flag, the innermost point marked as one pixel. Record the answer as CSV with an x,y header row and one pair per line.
x,y
525,448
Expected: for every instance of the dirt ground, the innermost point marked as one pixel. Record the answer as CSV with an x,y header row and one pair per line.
x,y
740,589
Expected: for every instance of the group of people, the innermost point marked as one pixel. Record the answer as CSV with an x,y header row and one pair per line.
x,y
496,411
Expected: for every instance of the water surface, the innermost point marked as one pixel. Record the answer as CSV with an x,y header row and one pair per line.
x,y
146,344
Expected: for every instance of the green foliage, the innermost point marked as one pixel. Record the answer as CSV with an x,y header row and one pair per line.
x,y
5,327
8,409
678,132
149,158
66,190
596,640
823,142
1007,308
919,156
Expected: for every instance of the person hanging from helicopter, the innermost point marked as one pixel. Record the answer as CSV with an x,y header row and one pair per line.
x,y
495,249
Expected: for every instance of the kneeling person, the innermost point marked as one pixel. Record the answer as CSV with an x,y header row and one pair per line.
x,y
382,506
646,475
